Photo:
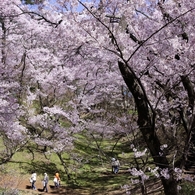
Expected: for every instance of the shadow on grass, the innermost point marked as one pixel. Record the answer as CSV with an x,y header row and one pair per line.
x,y
51,189
97,183
39,167
93,176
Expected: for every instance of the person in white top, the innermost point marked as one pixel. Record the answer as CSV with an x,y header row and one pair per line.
x,y
33,180
116,166
113,164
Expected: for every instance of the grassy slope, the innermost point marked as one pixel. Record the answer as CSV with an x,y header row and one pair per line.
x,y
89,165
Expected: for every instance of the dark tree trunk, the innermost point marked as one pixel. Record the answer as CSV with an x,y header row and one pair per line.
x,y
170,186
146,124
189,121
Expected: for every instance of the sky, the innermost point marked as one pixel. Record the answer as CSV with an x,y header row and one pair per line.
x,y
35,7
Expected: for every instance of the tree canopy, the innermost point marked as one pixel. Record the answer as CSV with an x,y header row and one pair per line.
x,y
65,70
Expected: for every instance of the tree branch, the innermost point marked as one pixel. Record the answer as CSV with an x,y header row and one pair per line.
x,y
156,32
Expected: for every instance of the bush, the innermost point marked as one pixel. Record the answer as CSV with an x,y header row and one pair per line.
x,y
187,188
10,192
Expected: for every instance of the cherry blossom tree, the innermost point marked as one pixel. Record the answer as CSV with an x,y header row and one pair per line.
x,y
33,82
52,91
62,67
13,133
153,41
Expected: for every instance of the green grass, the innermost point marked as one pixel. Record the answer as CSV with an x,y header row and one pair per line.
x,y
187,188
88,165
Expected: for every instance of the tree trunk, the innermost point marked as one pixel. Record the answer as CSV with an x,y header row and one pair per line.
x,y
146,124
189,121
170,186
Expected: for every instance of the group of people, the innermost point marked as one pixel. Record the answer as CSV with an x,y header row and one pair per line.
x,y
56,181
115,168
115,165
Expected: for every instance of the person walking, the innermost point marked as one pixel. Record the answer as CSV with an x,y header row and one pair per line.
x,y
56,182
113,164
116,166
45,182
33,180
57,175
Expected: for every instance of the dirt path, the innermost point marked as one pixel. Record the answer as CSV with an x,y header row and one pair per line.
x,y
23,184
11,182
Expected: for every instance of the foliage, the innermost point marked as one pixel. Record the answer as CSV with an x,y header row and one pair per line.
x,y
187,188
66,69
84,167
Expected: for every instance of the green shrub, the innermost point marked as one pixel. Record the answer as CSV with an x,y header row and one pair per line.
x,y
10,192
187,188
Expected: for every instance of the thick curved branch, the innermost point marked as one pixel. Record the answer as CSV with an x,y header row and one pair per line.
x,y
190,90
41,17
144,118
